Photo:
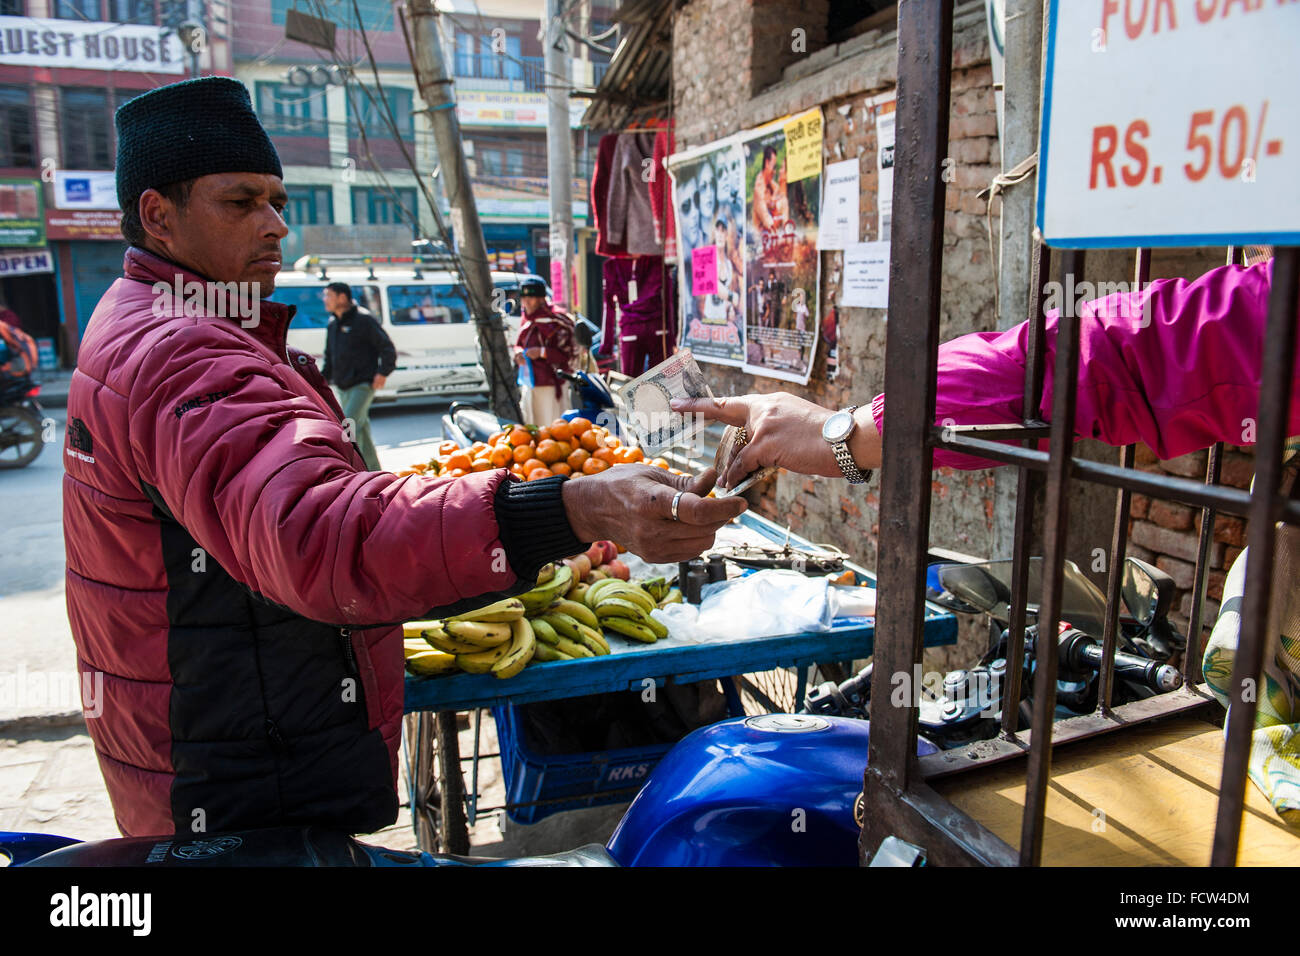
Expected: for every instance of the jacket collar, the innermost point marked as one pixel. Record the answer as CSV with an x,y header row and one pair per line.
x,y
272,317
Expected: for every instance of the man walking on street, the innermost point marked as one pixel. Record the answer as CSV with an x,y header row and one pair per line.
x,y
359,357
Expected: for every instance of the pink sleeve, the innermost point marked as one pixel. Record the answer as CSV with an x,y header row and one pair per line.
x,y
1176,366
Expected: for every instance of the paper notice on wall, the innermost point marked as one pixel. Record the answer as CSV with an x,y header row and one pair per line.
x,y
704,271
839,215
803,146
885,165
557,282
866,275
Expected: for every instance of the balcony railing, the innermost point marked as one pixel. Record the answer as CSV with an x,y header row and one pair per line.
x,y
491,71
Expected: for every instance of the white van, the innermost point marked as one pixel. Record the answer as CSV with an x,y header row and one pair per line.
x,y
422,306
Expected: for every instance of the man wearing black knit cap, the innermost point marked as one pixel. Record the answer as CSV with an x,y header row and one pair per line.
x,y
236,576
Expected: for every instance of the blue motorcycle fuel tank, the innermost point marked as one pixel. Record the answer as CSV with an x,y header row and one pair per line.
x,y
773,790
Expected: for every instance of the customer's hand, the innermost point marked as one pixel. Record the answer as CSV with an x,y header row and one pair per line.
x,y
786,431
632,504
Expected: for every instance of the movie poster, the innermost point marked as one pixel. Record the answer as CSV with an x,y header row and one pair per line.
x,y
709,195
782,265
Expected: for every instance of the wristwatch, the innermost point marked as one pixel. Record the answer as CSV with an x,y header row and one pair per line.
x,y
836,432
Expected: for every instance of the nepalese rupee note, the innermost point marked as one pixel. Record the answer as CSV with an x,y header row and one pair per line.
x,y
648,414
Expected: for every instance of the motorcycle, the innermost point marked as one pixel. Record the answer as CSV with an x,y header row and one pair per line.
x,y
21,423
967,704
467,423
774,790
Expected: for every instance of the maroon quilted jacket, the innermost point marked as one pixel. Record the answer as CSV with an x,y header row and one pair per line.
x,y
229,558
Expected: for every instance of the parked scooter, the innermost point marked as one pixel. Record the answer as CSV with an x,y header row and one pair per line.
x,y
21,421
467,423
967,705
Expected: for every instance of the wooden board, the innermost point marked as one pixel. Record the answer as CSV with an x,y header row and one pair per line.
x,y
1143,797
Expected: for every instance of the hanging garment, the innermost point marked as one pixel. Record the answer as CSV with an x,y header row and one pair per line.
x,y
600,179
631,222
647,325
661,199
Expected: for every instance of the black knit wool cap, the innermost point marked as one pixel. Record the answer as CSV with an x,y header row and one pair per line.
x,y
189,129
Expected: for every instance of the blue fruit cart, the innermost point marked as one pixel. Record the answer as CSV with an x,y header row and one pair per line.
x,y
538,784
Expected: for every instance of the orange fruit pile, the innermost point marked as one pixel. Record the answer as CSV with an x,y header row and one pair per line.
x,y
570,448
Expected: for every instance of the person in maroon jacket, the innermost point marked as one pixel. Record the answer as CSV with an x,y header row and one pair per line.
x,y
544,344
234,572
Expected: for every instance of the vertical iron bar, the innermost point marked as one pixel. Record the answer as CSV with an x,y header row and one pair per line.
x,y
1192,655
1118,547
912,342
1265,509
455,834
1065,387
1119,536
1027,486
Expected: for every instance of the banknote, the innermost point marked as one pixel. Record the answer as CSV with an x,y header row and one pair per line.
x,y
728,447
648,413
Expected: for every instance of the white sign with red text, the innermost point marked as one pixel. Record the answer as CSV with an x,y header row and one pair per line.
x,y
1171,123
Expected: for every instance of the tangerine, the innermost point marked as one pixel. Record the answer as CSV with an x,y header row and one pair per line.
x,y
501,456
579,425
604,454
594,466
520,436
532,464
459,462
477,449
566,448
561,430
518,471
590,441
578,458
560,468
522,453
635,454
482,464
457,473
537,473
543,434
549,451
447,446
661,463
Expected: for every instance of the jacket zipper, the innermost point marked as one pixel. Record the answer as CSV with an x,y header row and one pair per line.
x,y
278,743
349,655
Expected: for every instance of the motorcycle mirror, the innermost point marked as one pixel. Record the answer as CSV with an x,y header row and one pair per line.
x,y
1147,591
967,588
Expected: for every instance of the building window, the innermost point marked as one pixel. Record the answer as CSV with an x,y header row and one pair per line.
x,y
17,139
476,56
365,111
131,11
376,15
76,10
85,123
291,110
378,206
309,206
501,162
12,8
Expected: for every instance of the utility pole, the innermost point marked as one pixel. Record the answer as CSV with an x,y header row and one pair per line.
x,y
559,153
487,307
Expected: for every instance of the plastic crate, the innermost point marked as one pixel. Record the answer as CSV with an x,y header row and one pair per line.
x,y
592,779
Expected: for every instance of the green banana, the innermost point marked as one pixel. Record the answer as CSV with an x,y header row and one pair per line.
x,y
544,652
674,596
579,612
540,597
544,632
511,609
484,634
620,607
431,663
660,629
628,592
564,625
657,588
591,638
597,589
573,648
545,575
482,662
638,632
522,647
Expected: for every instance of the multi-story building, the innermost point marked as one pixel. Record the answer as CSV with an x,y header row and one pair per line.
x,y
354,139
65,66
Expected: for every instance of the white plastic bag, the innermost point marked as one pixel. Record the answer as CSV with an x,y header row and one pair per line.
x,y
763,604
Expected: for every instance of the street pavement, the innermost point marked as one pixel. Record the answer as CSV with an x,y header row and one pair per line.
x,y
49,778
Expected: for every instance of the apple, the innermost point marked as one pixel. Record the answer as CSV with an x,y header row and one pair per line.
x,y
619,570
596,553
610,551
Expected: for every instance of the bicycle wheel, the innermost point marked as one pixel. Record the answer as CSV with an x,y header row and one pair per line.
x,y
777,691
20,437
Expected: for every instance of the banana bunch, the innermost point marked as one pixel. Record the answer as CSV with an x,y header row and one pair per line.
x,y
625,609
571,629
495,639
556,585
659,589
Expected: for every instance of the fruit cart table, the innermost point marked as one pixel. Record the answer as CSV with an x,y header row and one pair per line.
x,y
629,665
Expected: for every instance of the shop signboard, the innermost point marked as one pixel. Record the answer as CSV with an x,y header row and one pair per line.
x,y
22,220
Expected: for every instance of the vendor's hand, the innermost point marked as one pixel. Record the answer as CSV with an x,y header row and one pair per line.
x,y
632,504
786,431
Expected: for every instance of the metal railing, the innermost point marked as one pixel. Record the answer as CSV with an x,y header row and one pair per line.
x,y
515,74
895,784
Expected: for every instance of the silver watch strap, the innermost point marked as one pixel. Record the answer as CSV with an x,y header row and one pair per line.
x,y
848,466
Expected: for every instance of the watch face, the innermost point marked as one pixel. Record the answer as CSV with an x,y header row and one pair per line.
x,y
838,427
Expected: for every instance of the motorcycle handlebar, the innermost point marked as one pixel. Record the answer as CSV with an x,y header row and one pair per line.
x,y
1084,652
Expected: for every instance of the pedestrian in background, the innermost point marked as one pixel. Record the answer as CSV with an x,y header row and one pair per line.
x,y
359,357
545,344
